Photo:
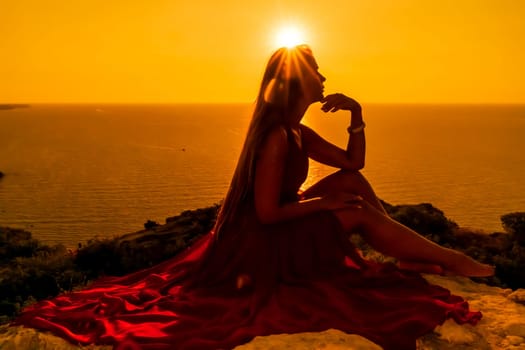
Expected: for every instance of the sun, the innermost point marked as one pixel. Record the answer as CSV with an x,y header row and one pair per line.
x,y
289,36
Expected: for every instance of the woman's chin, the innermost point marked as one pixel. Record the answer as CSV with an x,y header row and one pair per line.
x,y
317,98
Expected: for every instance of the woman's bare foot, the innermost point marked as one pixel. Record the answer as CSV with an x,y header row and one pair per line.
x,y
420,267
463,265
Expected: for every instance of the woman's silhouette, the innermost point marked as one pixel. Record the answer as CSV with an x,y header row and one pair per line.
x,y
278,260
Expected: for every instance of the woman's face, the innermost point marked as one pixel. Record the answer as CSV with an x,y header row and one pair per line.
x,y
312,81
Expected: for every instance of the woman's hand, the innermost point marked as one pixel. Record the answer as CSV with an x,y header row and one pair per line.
x,y
334,102
341,200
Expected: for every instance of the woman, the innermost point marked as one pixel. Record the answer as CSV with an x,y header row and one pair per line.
x,y
291,83
277,261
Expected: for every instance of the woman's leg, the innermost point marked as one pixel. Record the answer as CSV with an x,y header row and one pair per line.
x,y
392,238
351,181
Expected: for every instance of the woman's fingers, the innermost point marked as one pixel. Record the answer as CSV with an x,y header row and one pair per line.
x,y
352,198
353,201
334,102
343,200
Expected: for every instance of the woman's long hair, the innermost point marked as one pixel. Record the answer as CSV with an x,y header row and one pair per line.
x,y
278,95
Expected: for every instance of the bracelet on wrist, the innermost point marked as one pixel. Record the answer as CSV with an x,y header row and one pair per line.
x,y
356,129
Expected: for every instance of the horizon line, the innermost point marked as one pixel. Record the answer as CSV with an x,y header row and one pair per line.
x,y
249,102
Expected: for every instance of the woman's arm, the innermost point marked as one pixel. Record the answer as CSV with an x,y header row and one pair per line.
x,y
267,187
325,152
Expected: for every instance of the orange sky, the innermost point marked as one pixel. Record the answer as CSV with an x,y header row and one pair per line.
x,y
402,51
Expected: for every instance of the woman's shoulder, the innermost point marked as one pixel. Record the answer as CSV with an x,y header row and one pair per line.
x,y
275,144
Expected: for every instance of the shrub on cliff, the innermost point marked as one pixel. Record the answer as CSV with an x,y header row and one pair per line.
x,y
426,220
15,243
514,223
47,272
138,250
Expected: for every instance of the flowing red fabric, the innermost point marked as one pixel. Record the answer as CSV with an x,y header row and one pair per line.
x,y
302,275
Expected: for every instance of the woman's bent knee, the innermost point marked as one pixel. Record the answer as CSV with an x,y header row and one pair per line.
x,y
355,176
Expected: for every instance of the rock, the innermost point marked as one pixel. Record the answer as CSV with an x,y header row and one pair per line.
x,y
332,339
518,296
502,318
148,225
514,340
19,338
502,327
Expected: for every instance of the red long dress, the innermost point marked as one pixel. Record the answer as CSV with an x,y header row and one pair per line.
x,y
302,275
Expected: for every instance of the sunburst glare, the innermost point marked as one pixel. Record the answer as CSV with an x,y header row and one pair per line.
x,y
289,36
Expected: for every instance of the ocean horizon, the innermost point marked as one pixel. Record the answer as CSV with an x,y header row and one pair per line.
x,y
76,171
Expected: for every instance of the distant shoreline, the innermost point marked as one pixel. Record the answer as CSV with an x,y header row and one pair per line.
x,y
13,106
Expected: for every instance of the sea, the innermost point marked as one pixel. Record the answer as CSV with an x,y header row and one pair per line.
x,y
75,172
